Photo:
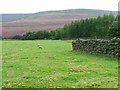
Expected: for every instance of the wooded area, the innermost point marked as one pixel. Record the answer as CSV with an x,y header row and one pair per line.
x,y
101,27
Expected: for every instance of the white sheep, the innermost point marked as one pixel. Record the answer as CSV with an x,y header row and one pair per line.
x,y
39,46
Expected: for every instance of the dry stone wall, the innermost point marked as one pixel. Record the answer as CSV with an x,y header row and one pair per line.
x,y
98,46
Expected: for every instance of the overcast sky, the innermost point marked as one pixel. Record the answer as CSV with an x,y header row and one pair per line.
x,y
32,6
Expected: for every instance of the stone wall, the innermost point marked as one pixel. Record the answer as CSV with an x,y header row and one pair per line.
x,y
98,46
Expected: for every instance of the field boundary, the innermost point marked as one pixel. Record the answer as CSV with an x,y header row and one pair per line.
x,y
98,46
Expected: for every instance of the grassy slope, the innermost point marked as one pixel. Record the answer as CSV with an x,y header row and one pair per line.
x,y
13,17
24,65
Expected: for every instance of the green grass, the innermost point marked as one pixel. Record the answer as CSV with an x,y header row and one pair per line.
x,y
55,66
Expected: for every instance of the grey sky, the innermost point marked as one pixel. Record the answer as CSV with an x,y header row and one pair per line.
x,y
32,6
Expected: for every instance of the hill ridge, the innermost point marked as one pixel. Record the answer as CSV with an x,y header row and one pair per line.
x,y
48,20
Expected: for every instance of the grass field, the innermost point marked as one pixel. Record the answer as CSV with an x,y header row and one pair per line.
x,y
55,66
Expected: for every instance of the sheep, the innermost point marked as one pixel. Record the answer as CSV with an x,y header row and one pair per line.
x,y
39,46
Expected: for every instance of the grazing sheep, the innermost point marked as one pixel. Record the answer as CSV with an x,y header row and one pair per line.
x,y
39,46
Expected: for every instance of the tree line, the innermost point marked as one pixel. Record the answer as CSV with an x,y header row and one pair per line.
x,y
105,26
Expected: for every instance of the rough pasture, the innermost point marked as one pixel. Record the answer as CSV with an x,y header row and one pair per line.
x,y
55,66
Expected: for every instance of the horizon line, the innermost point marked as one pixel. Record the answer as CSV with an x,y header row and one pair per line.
x,y
62,10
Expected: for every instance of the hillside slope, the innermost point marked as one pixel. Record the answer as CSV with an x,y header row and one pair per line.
x,y
49,20
13,17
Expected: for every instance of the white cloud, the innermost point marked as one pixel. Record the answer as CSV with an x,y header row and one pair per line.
x,y
32,6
